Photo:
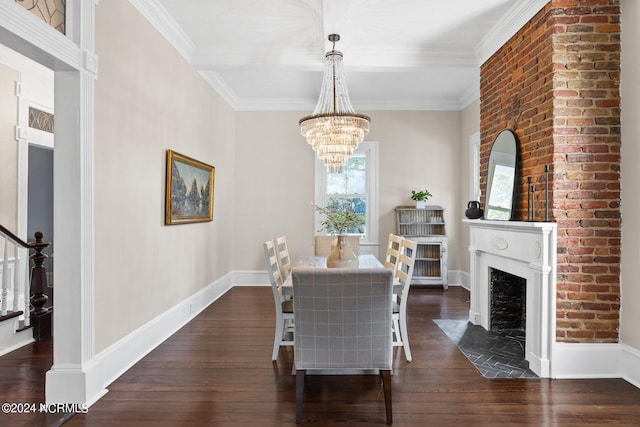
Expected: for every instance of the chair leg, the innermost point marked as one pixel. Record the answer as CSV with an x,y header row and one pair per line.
x,y
386,387
278,337
300,375
397,336
405,337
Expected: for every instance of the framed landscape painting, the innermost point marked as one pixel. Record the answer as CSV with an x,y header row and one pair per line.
x,y
189,191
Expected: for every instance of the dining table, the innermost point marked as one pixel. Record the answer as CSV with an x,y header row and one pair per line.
x,y
364,261
314,261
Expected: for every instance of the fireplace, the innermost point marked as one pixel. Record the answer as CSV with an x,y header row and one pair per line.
x,y
526,253
507,300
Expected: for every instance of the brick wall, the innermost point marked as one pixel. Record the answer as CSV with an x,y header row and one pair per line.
x,y
555,83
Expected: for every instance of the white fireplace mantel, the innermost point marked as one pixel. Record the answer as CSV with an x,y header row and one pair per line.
x,y
527,250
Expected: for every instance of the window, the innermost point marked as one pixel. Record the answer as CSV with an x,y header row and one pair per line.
x,y
356,186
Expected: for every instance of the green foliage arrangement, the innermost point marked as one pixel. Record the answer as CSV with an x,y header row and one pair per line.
x,y
339,217
420,196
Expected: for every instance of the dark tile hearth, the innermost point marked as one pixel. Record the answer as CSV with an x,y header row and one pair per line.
x,y
495,354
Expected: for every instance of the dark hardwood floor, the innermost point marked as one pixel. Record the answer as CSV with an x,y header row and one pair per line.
x,y
217,371
22,375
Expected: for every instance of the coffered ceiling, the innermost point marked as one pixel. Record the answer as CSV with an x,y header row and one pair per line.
x,y
398,54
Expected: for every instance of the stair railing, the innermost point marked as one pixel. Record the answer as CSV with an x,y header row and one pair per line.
x,y
34,293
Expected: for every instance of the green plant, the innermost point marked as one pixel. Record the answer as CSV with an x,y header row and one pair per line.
x,y
420,196
339,217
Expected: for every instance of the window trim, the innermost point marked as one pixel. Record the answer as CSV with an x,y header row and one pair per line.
x,y
474,167
370,150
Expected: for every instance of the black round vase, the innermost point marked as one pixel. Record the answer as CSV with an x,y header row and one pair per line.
x,y
473,210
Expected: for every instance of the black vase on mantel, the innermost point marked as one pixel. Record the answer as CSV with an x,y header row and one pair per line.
x,y
474,211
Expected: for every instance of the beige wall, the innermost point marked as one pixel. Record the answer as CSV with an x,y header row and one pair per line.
x,y
8,148
274,186
630,91
275,177
470,125
148,100
418,149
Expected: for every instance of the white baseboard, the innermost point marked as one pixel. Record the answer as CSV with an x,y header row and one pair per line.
x,y
458,278
596,361
88,383
630,364
251,278
586,360
464,279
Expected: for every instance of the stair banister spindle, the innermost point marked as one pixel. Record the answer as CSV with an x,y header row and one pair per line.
x,y
17,283
5,277
27,294
16,289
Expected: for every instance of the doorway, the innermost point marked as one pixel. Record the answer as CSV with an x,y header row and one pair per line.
x,y
40,205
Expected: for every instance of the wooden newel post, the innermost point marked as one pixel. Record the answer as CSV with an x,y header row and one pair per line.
x,y
38,284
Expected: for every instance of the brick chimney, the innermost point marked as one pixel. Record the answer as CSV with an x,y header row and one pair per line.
x,y
556,84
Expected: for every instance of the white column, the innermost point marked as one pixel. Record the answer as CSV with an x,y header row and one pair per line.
x,y
70,379
548,299
474,303
75,64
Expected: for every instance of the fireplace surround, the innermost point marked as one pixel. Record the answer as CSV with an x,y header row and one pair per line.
x,y
527,250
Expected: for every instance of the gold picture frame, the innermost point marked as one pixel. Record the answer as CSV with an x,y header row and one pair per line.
x,y
189,190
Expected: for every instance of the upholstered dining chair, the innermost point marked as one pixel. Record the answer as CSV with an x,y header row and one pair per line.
x,y
284,307
284,260
403,274
343,319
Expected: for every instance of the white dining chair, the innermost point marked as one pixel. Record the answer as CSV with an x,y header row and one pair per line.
x,y
393,250
284,260
284,307
403,274
342,320
391,261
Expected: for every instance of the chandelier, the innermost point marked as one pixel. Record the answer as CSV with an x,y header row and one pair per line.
x,y
334,130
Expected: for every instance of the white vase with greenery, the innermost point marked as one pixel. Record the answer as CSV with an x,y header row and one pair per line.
x,y
339,217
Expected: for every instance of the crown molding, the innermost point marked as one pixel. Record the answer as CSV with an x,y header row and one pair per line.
x,y
469,96
158,16
513,20
220,86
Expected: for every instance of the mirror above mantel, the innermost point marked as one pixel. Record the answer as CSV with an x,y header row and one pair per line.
x,y
501,177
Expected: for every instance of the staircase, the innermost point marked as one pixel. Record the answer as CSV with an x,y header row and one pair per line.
x,y
13,333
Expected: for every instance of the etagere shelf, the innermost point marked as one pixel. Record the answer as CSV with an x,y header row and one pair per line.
x,y
427,228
